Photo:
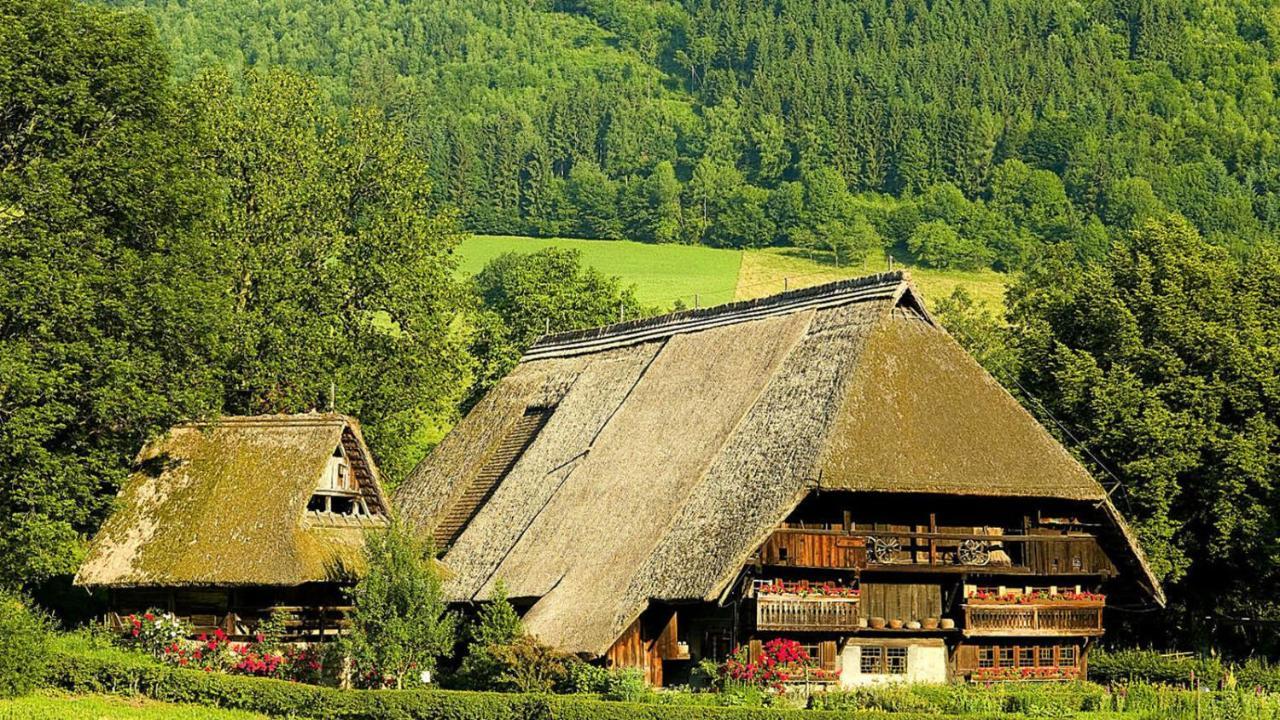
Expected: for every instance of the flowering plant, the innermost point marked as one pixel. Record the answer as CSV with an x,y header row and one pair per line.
x,y
804,588
153,631
1001,674
983,595
168,639
781,661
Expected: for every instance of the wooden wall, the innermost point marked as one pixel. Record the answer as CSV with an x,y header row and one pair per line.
x,y
645,644
815,549
904,601
1067,557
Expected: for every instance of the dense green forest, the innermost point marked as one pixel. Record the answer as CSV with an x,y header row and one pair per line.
x,y
1008,125
230,206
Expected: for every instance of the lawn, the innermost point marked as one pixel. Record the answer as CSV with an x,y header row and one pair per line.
x,y
766,271
693,274
46,705
661,273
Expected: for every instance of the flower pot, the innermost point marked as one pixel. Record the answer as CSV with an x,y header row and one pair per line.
x,y
947,624
895,624
876,623
862,622
913,625
929,623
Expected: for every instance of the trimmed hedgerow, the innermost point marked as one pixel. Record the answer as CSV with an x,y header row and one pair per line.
x,y
111,673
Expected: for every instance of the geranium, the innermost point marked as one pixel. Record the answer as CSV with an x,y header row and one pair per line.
x,y
781,660
982,595
804,588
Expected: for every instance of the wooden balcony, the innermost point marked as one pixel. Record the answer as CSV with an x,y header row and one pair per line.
x,y
1050,618
801,606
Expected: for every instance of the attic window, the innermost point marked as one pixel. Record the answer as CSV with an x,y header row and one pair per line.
x,y
338,492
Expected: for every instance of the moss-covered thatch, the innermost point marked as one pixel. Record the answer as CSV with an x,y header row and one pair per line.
x,y
678,443
224,503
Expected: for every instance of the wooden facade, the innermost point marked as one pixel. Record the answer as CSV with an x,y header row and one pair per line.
x,y
316,611
647,643
999,590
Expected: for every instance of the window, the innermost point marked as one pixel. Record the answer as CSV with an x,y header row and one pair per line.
x,y
883,660
896,660
1027,656
870,664
1067,655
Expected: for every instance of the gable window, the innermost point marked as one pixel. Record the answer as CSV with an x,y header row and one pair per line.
x,y
338,492
883,660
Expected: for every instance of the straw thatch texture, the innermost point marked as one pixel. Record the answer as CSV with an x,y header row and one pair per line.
x,y
223,503
597,392
678,443
923,417
766,468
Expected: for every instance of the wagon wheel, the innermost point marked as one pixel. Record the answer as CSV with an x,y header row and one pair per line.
x,y
974,552
884,550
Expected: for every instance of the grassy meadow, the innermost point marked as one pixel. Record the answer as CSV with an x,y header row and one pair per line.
x,y
665,274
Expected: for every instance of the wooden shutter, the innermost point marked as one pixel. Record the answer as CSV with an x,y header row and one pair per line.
x,y
484,483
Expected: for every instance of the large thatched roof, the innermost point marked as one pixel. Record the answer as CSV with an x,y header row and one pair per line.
x,y
225,503
674,445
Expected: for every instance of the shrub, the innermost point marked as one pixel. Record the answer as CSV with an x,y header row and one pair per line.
x,y
585,678
529,666
626,684
496,625
1148,666
399,625
23,636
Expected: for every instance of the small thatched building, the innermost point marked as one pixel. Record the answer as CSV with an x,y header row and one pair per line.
x,y
826,464
223,521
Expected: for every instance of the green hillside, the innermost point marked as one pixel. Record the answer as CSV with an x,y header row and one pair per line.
x,y
663,274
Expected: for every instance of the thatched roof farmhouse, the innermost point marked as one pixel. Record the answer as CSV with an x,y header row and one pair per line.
x,y
647,462
216,513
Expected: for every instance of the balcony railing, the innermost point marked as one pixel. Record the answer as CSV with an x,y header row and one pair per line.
x,y
1036,618
784,606
792,613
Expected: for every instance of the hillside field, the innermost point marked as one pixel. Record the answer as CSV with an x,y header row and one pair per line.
x,y
663,274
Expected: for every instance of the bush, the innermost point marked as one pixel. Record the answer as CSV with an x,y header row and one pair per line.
x,y
23,636
1148,666
399,624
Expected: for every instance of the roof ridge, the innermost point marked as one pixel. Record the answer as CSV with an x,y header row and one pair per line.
x,y
575,342
307,418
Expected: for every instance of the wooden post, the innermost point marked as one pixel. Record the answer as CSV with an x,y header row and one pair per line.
x,y
933,543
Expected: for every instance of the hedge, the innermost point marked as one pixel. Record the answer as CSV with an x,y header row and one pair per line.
x,y
1147,666
139,675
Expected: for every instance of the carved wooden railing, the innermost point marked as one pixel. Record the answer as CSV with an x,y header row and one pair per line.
x,y
792,613
1036,618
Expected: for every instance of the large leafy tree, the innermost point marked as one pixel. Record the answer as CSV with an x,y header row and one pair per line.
x,y
1165,360
519,297
339,265
111,314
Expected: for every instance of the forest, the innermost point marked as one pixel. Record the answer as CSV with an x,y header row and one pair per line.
x,y
999,127
241,207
